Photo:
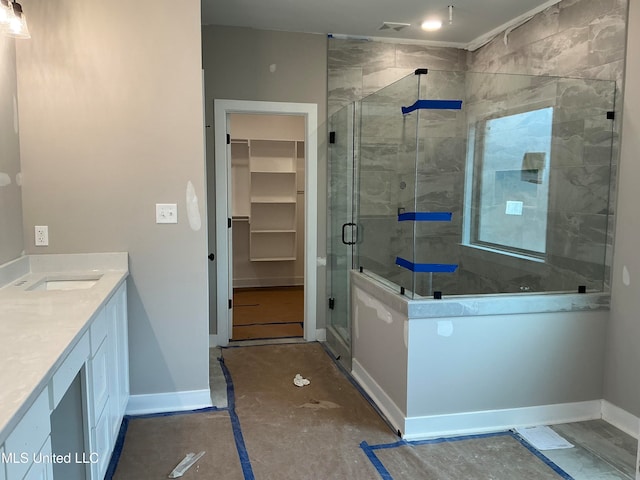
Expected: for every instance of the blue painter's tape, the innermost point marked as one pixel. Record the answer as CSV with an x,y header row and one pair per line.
x,y
425,216
245,462
426,267
369,450
375,461
433,105
546,460
117,449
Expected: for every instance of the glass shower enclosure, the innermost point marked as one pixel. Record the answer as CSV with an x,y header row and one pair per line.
x,y
477,183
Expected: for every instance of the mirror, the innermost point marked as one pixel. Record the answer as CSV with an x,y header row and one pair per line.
x,y
11,235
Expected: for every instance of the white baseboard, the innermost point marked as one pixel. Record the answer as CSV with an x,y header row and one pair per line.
x,y
387,406
168,402
619,418
321,334
213,340
496,420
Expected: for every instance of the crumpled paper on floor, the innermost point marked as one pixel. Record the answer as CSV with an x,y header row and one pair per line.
x,y
186,463
300,381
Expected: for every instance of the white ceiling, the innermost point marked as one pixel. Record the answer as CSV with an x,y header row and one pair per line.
x,y
474,21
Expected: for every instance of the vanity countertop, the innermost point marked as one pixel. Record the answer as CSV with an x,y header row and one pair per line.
x,y
38,328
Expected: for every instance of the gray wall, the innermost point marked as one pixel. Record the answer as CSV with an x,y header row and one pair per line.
x,y
111,123
11,242
622,385
236,66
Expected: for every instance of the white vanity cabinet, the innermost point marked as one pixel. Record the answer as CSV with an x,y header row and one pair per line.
x,y
95,372
108,372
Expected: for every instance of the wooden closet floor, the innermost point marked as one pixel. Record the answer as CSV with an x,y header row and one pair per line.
x,y
268,312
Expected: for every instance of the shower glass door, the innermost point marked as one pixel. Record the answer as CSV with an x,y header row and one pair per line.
x,y
341,232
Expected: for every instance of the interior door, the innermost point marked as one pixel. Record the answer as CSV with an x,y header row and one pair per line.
x,y
342,232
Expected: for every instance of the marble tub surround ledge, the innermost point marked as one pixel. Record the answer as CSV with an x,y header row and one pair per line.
x,y
39,328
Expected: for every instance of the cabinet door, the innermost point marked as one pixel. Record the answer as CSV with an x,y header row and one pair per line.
x,y
101,443
29,436
119,359
42,469
99,381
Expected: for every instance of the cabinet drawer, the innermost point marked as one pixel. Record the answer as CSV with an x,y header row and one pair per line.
x,y
98,330
28,436
68,370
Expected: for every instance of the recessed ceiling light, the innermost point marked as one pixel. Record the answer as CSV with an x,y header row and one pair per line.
x,y
431,25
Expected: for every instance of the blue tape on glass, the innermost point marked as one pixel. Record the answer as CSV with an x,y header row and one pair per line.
x,y
433,105
425,216
426,267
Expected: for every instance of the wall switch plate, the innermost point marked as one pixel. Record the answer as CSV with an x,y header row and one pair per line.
x,y
41,235
166,213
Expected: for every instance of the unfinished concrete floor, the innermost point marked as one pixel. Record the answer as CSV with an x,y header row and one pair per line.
x,y
264,427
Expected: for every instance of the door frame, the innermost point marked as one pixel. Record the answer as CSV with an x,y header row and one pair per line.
x,y
224,266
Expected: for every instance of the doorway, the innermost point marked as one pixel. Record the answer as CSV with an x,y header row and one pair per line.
x,y
268,227
267,206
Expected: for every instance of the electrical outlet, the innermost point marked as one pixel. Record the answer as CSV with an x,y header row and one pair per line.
x,y
42,235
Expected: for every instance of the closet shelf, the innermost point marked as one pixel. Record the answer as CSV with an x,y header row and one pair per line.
x,y
273,200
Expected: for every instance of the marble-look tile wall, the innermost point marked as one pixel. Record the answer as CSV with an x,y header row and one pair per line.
x,y
581,39
578,38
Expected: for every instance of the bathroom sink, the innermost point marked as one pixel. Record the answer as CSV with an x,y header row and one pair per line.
x,y
65,283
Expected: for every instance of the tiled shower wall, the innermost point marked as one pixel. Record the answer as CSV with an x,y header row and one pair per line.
x,y
573,38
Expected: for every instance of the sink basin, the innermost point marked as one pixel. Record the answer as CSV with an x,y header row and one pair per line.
x,y
65,283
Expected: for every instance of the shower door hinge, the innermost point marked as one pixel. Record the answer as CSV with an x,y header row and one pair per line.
x,y
332,303
230,304
228,139
332,137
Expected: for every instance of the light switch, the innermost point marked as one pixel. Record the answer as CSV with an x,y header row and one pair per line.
x,y
166,213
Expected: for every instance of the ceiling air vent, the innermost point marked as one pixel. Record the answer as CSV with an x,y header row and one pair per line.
x,y
393,26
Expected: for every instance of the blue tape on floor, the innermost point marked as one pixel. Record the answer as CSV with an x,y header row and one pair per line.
x,y
369,450
433,105
425,216
245,462
358,387
117,449
546,460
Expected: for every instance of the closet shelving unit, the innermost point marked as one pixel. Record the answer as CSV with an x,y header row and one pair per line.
x,y
272,200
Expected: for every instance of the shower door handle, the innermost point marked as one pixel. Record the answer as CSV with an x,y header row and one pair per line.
x,y
354,238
